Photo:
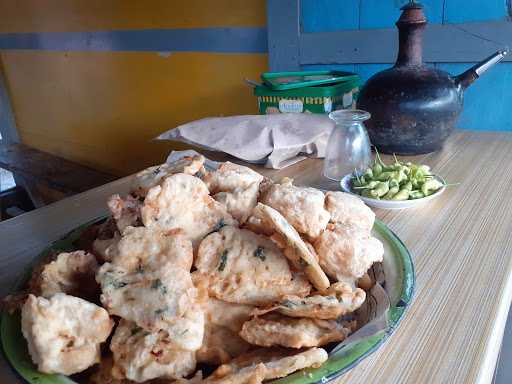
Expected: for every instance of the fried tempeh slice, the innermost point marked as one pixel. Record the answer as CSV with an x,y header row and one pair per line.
x,y
273,330
295,248
350,210
183,202
338,300
243,267
140,355
152,176
64,333
345,253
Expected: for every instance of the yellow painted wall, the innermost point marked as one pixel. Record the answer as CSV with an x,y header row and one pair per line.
x,y
85,15
103,108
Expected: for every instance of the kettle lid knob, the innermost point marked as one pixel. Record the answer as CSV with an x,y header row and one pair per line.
x,y
412,5
412,13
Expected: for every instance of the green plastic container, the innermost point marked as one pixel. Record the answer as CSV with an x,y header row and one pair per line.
x,y
316,99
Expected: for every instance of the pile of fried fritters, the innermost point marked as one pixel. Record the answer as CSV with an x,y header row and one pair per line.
x,y
223,268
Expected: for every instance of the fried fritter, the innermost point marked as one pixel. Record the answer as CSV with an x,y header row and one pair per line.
x,y
253,374
164,298
182,202
71,272
302,207
273,330
140,355
295,249
64,333
228,315
229,177
349,210
150,177
102,248
103,373
338,300
221,342
279,362
346,253
235,186
246,268
125,211
106,234
142,248
220,345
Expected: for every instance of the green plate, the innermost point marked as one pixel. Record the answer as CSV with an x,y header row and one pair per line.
x,y
400,280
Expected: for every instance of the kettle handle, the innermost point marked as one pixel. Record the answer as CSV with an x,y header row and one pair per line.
x,y
467,78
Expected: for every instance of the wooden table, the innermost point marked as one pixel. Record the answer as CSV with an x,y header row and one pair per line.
x,y
461,244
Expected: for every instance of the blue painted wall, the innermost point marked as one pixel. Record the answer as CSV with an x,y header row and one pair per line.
x,y
487,102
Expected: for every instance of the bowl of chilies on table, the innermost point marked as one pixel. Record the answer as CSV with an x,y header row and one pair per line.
x,y
394,186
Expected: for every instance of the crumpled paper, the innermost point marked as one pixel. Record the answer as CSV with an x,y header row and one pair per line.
x,y
276,141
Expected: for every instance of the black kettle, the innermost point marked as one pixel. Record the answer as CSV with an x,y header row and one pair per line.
x,y
414,108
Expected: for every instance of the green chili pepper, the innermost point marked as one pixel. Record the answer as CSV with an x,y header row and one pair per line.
x,y
385,176
376,169
394,183
416,195
403,194
430,186
425,169
392,192
369,193
356,183
381,189
370,185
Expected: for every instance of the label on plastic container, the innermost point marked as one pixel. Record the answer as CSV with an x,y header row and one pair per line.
x,y
327,104
290,106
347,99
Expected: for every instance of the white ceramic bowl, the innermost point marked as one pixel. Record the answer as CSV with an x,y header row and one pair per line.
x,y
390,204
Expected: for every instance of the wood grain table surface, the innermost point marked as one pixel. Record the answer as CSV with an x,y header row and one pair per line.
x,y
461,244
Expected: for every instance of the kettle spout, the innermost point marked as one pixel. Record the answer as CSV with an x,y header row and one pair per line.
x,y
466,78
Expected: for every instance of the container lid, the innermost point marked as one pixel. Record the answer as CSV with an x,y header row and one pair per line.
x,y
326,90
280,81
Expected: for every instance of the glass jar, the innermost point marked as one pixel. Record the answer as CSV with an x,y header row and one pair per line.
x,y
348,149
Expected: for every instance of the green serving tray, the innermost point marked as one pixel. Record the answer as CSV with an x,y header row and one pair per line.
x,y
400,281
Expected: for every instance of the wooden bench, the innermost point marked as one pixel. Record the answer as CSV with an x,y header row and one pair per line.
x,y
46,177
